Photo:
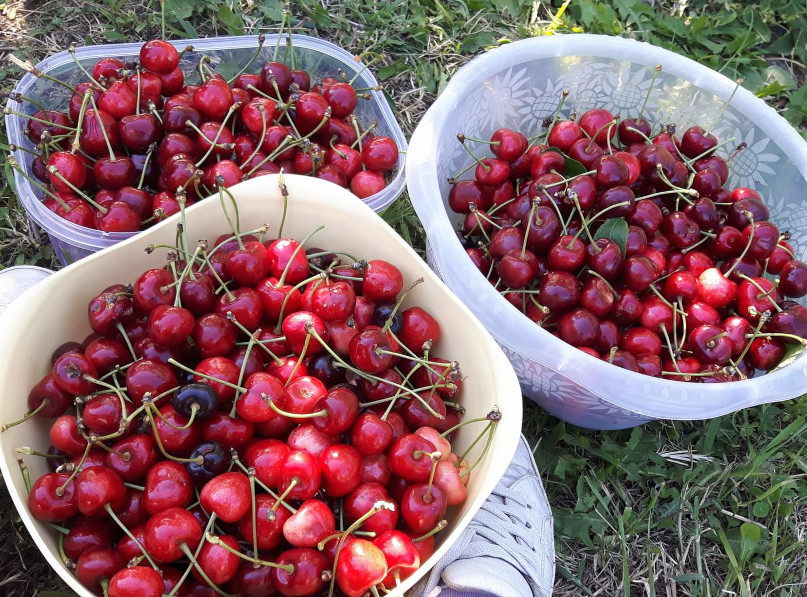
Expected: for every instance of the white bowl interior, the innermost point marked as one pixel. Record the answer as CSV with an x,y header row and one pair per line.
x,y
54,311
519,85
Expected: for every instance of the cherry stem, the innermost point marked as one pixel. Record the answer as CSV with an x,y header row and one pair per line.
x,y
583,222
32,452
153,423
53,170
798,339
214,540
15,165
492,426
75,146
261,40
240,465
530,217
290,415
129,534
747,246
435,456
300,358
254,510
451,430
262,111
215,141
672,352
556,118
222,283
26,416
253,340
20,98
763,293
656,71
183,547
461,138
60,490
285,494
102,127
388,323
640,133
294,253
377,507
26,474
439,527
724,106
340,362
680,308
176,363
37,119
608,126
194,409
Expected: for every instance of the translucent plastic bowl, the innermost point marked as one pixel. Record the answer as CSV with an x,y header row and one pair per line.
x,y
228,55
35,324
518,85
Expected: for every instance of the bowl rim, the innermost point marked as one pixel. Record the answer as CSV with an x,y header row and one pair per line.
x,y
447,251
309,193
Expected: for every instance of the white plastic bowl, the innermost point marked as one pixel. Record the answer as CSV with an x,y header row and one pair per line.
x,y
35,324
72,242
518,85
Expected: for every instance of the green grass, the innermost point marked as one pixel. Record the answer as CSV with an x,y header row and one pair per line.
x,y
671,508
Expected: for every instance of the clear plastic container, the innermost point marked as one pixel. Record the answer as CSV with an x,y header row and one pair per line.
x,y
228,55
518,85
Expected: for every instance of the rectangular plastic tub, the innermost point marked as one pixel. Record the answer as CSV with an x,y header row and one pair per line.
x,y
228,56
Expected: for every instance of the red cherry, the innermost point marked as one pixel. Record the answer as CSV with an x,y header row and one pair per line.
x,y
159,56
142,581
167,531
228,496
97,487
47,500
302,470
361,565
307,577
219,564
98,564
312,523
270,522
133,457
362,499
168,485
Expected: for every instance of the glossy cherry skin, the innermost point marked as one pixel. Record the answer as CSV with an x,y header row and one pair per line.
x,y
97,564
342,407
97,487
64,436
756,296
142,581
177,442
766,353
219,368
269,522
578,327
370,434
423,507
307,578
168,485
214,335
69,371
341,467
266,456
793,279
133,457
169,529
709,345
153,288
45,502
170,326
361,565
228,495
150,377
55,398
364,350
382,281
159,56
715,289
215,461
362,499
105,354
313,522
303,468
559,291
409,458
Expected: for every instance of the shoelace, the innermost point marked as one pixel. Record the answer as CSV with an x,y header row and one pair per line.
x,y
501,523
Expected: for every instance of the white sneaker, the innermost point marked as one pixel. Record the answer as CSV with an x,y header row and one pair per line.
x,y
508,548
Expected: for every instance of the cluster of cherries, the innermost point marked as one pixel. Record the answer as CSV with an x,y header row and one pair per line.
x,y
133,135
627,245
252,419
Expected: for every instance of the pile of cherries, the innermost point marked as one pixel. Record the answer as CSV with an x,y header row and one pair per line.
x,y
252,419
627,245
131,135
